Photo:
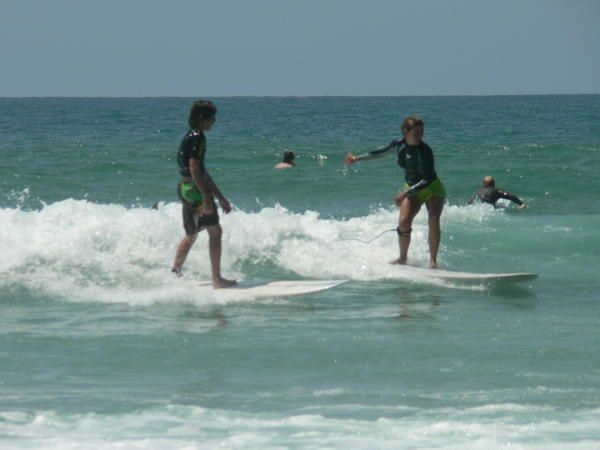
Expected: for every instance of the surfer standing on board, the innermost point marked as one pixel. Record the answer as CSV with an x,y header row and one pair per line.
x,y
422,185
197,192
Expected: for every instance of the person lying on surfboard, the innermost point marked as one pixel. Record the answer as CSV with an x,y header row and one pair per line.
x,y
489,193
422,185
197,191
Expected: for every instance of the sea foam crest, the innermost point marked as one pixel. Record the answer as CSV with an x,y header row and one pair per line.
x,y
83,251
193,427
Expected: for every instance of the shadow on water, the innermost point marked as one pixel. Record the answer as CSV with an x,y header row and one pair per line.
x,y
519,296
217,317
415,304
405,303
193,315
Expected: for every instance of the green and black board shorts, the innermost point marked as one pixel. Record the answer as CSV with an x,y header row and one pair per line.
x,y
194,219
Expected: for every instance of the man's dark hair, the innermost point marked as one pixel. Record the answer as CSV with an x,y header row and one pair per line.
x,y
288,156
201,109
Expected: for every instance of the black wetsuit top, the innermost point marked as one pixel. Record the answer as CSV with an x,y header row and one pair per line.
x,y
491,195
193,146
416,160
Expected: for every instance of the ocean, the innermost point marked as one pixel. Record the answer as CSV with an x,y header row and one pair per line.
x,y
101,347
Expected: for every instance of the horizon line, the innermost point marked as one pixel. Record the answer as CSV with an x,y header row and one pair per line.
x,y
287,96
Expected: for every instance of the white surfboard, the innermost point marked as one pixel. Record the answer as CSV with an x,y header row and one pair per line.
x,y
451,275
503,203
266,289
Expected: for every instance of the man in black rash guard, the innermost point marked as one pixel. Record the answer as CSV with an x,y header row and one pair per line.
x,y
422,185
197,191
489,193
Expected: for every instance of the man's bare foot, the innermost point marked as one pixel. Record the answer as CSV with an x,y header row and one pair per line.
x,y
398,261
223,283
433,265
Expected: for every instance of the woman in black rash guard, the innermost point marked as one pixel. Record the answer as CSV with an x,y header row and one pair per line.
x,y
422,185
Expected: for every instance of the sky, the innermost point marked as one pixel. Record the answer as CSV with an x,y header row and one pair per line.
x,y
134,48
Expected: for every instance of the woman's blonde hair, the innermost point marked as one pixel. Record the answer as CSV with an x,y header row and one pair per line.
x,y
410,122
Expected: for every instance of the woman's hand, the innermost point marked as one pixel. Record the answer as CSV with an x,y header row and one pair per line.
x,y
400,198
350,159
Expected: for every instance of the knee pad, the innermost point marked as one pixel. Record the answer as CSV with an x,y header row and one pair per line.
x,y
403,232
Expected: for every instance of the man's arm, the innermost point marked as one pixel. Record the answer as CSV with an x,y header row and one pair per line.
x,y
213,187
511,197
215,190
201,177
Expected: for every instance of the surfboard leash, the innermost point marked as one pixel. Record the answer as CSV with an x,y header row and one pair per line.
x,y
370,240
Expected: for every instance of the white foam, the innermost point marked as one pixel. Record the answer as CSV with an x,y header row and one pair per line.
x,y
328,392
193,427
81,251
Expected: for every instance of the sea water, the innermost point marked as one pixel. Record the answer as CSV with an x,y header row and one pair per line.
x,y
102,347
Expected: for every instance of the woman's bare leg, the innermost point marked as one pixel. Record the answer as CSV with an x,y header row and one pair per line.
x,y
408,210
435,205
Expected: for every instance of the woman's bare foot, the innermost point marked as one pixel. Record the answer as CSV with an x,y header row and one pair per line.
x,y
398,261
223,283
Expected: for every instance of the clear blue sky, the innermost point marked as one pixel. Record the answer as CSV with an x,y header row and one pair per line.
x,y
302,47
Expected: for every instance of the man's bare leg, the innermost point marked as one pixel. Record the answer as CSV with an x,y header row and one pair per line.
x,y
214,250
182,251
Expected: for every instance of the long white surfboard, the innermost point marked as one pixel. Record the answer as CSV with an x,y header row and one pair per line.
x,y
451,275
266,289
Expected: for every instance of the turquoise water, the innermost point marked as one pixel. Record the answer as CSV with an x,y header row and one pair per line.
x,y
100,347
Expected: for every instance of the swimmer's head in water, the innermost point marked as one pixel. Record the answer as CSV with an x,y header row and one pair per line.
x,y
489,181
288,157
